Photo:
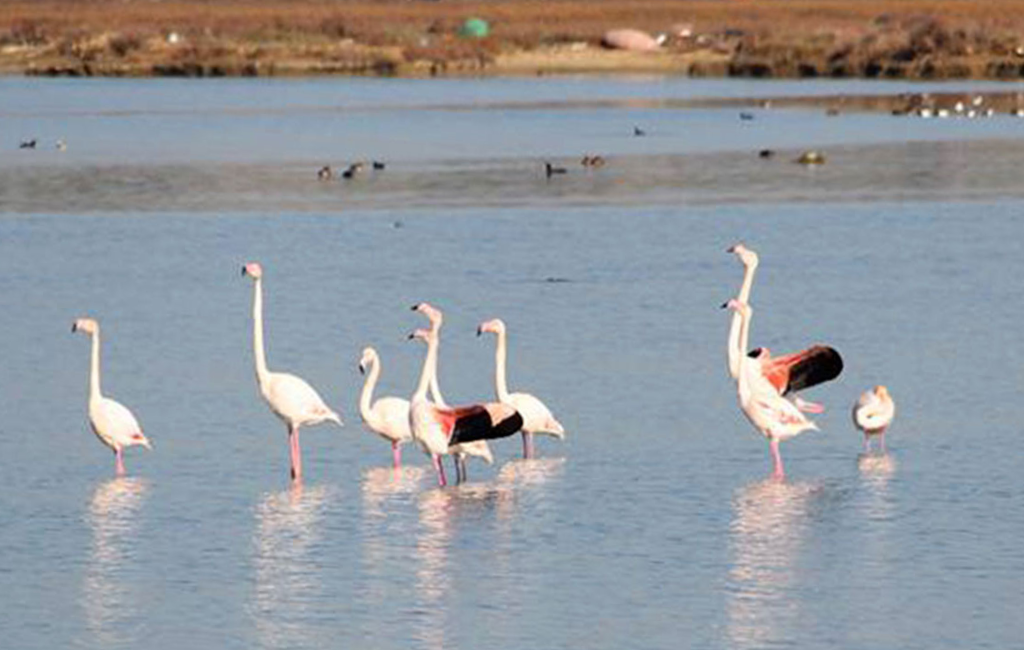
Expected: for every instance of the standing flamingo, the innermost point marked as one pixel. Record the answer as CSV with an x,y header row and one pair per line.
x,y
439,428
289,397
460,452
774,416
111,421
536,416
388,416
788,373
873,413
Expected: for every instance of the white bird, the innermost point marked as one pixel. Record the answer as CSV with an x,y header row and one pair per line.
x,y
290,398
873,413
775,417
388,417
438,429
789,373
537,418
111,421
477,448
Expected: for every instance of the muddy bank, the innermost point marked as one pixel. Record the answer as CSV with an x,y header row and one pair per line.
x,y
944,39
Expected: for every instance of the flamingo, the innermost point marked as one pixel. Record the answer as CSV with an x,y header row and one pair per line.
x,y
787,373
111,421
873,413
388,416
290,398
774,416
537,418
478,448
438,429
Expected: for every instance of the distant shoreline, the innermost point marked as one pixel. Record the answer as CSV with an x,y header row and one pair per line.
x,y
914,40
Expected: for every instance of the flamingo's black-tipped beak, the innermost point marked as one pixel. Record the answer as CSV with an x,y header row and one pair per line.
x,y
415,307
243,269
362,369
479,330
731,249
74,327
725,305
411,336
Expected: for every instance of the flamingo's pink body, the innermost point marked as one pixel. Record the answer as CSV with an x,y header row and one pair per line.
x,y
873,413
459,452
388,417
437,429
111,421
788,373
537,418
289,397
775,417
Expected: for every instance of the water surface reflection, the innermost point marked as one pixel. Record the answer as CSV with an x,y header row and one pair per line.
x,y
770,519
288,584
111,611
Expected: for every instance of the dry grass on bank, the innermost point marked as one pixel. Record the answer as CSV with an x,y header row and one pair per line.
x,y
778,35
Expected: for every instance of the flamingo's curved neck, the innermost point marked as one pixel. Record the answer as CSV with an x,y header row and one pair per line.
x,y
500,355
429,369
742,381
435,389
367,395
735,348
94,368
257,333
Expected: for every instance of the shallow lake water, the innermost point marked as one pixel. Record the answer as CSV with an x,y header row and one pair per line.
x,y
653,525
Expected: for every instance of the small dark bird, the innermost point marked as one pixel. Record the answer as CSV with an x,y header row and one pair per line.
x,y
746,117
551,170
638,132
352,170
765,153
378,165
325,173
592,161
28,144
832,112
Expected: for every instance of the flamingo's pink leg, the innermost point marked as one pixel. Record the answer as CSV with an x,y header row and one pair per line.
x,y
808,407
527,445
778,473
296,454
441,480
396,455
119,461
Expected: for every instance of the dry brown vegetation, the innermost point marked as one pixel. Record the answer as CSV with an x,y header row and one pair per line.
x,y
897,38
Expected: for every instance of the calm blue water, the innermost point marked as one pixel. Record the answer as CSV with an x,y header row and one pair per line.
x,y
652,525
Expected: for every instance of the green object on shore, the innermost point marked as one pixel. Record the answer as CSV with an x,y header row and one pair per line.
x,y
475,28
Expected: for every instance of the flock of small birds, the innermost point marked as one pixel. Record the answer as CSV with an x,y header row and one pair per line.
x,y
326,173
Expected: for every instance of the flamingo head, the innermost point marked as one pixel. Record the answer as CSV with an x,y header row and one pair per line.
x,y
737,306
141,440
431,312
87,325
747,256
369,357
253,270
421,335
882,392
494,326
760,353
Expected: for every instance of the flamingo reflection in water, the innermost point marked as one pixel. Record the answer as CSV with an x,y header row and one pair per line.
x,y
287,586
111,611
770,519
